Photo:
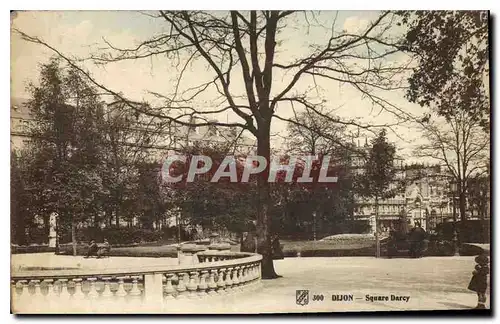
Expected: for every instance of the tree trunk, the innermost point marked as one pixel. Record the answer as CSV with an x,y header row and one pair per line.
x,y
117,216
462,206
73,237
377,239
96,220
264,220
108,217
46,225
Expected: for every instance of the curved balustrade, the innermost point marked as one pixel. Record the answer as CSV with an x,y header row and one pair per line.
x,y
139,288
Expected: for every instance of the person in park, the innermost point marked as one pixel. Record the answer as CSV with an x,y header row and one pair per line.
x,y
104,249
416,240
92,250
479,280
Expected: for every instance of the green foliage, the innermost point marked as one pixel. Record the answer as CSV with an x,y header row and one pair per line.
x,y
478,189
453,57
218,206
380,170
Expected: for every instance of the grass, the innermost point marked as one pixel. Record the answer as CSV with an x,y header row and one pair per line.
x,y
327,248
323,245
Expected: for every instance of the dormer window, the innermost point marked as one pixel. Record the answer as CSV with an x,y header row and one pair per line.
x,y
212,130
192,128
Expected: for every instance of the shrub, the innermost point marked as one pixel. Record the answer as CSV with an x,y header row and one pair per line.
x,y
116,236
31,249
37,235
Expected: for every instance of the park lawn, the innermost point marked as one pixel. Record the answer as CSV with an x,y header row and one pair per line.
x,y
323,245
328,248
145,251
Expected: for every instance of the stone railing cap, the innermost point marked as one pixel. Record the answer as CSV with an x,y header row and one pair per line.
x,y
244,257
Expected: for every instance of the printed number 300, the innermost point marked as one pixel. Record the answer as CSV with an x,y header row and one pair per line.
x,y
318,297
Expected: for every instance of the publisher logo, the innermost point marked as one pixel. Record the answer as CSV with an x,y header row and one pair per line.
x,y
302,297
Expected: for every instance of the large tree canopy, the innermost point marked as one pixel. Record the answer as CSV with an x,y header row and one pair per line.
x,y
252,78
453,61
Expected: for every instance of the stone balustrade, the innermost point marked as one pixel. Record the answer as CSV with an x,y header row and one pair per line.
x,y
137,289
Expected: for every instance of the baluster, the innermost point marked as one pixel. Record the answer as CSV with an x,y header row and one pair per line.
x,y
24,296
243,271
181,286
255,274
121,292
56,288
244,275
169,289
37,292
193,286
107,290
13,289
78,294
135,291
221,283
250,274
50,288
93,293
202,287
236,281
229,282
64,289
211,282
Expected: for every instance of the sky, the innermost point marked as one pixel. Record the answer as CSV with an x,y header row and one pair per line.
x,y
80,33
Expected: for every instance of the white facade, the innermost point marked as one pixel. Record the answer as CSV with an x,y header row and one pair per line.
x,y
425,199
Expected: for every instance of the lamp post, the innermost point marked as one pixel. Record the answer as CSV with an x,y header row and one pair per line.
x,y
453,189
417,203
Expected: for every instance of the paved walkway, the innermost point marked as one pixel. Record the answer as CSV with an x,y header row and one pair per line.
x,y
431,283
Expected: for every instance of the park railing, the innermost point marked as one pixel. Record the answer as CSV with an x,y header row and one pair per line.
x,y
136,289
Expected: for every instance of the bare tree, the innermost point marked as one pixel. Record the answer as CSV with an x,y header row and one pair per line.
x,y
310,133
459,143
242,50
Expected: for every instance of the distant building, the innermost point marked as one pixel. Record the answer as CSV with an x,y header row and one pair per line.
x,y
20,118
424,198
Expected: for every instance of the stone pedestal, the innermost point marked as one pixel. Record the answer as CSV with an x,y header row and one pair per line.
x,y
52,230
373,224
187,254
52,241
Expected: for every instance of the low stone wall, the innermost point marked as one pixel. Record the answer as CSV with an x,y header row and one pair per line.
x,y
138,289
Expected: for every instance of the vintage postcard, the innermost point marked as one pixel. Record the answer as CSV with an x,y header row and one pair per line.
x,y
250,162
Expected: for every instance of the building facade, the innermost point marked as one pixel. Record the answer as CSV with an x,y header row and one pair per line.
x,y
422,196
